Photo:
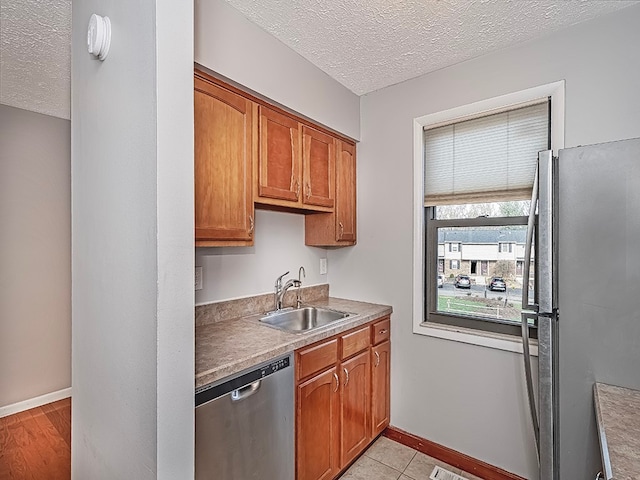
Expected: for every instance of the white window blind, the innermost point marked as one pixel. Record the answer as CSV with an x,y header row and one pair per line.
x,y
490,158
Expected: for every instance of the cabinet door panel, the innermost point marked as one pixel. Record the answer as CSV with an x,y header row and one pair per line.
x,y
318,152
223,136
279,163
380,387
346,193
317,410
354,412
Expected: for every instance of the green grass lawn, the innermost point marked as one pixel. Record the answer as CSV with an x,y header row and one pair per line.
x,y
477,306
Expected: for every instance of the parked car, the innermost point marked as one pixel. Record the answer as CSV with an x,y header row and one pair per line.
x,y
462,281
440,281
498,283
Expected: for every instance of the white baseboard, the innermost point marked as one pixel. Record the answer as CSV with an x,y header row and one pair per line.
x,y
35,402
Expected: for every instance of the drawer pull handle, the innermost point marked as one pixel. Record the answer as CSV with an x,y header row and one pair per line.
x,y
346,372
377,358
383,331
335,375
251,225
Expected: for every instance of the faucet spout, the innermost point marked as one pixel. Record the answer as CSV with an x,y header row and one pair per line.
x,y
301,273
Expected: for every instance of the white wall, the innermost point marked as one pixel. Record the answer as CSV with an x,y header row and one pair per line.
x,y
35,255
466,397
229,44
243,271
132,244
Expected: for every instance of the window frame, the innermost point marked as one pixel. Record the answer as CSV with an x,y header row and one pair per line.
x,y
431,290
555,91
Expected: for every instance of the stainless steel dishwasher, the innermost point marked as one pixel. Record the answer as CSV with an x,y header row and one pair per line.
x,y
245,425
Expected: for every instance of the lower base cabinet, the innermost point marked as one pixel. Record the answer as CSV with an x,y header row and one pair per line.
x,y
317,442
342,399
355,407
380,394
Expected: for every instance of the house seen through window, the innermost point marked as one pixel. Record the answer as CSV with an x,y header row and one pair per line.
x,y
479,174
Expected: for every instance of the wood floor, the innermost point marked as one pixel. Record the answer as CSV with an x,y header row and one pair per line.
x,y
36,444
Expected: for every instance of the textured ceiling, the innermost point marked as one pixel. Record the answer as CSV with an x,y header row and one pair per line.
x,y
363,44
35,55
370,44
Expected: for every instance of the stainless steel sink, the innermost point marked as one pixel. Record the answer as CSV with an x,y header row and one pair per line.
x,y
302,319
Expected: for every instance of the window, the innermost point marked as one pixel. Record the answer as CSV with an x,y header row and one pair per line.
x,y
479,174
505,247
423,261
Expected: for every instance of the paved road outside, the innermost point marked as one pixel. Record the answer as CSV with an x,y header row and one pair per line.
x,y
513,294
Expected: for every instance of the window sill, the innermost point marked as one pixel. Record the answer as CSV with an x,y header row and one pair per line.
x,y
476,337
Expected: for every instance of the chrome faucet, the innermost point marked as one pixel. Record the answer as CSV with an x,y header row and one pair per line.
x,y
281,290
301,274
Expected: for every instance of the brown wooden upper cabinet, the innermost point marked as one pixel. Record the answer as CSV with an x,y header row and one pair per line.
x,y
319,155
295,167
346,193
278,168
225,131
248,152
337,228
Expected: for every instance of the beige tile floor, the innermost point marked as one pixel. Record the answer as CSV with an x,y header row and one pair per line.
x,y
389,460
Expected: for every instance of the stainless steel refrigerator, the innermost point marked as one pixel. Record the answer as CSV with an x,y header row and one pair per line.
x,y
586,237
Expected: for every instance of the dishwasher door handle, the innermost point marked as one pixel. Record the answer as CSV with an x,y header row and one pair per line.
x,y
245,392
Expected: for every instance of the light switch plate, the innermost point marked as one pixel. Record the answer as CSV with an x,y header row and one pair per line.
x,y
323,266
198,278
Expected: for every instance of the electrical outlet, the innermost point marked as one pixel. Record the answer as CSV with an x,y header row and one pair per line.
x,y
323,266
198,278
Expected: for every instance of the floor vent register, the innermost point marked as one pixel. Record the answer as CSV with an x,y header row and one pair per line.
x,y
440,473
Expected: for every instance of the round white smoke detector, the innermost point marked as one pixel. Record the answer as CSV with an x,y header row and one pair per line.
x,y
99,36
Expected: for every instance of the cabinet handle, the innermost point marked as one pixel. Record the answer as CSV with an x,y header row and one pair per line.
x,y
308,190
297,189
346,372
383,331
341,229
335,375
377,359
251,225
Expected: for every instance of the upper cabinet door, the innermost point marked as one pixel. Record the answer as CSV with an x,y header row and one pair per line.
x,y
224,134
279,162
346,193
318,152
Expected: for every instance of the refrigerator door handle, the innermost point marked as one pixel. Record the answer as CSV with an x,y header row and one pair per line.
x,y
526,274
525,316
526,356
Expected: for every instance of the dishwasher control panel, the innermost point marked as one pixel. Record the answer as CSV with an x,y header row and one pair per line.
x,y
275,366
211,392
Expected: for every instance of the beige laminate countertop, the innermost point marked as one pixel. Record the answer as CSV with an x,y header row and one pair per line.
x,y
230,346
618,418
